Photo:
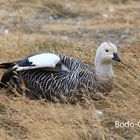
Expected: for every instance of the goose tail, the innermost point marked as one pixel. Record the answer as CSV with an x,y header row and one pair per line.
x,y
8,74
6,65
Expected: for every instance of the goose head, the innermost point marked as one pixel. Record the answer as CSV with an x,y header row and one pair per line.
x,y
106,54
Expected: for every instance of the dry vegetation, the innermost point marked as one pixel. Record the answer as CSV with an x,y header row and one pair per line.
x,y
74,28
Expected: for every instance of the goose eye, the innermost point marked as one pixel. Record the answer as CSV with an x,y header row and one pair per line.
x,y
106,50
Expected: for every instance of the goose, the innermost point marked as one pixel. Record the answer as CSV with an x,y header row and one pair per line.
x,y
49,75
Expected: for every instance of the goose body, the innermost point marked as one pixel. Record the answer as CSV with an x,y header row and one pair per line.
x,y
50,75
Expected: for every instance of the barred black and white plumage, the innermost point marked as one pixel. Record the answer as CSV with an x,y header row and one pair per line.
x,y
62,75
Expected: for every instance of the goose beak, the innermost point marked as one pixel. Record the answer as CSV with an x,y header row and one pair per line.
x,y
116,57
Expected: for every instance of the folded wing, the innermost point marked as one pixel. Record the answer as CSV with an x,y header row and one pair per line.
x,y
42,60
45,61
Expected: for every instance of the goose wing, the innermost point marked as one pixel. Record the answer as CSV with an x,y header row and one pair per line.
x,y
49,61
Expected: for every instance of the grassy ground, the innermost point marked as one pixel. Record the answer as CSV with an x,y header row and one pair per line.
x,y
74,28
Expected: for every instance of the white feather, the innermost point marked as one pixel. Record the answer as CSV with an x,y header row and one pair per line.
x,y
40,61
45,60
65,68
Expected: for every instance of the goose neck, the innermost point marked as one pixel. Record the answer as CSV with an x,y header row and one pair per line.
x,y
104,71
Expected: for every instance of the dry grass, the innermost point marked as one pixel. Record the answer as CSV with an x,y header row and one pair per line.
x,y
76,31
